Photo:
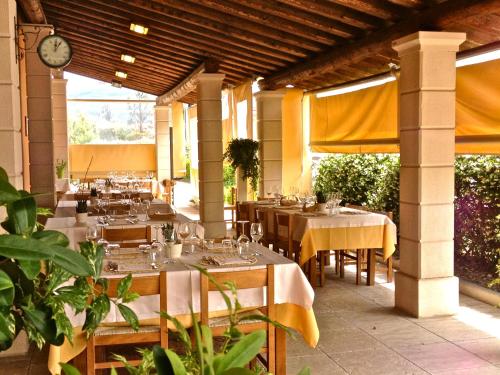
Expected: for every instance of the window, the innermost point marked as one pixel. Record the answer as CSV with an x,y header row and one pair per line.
x,y
101,114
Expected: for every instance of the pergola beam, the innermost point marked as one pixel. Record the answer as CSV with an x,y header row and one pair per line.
x,y
439,17
189,83
33,11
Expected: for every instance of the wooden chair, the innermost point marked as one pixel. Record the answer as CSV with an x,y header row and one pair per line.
x,y
282,231
128,237
242,213
378,252
232,207
261,217
256,278
168,194
107,336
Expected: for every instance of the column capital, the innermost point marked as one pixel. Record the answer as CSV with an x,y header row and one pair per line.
x,y
269,94
428,40
210,77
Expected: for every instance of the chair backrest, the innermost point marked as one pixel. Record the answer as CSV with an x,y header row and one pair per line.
x,y
261,217
234,195
143,285
128,237
282,222
242,213
169,190
256,278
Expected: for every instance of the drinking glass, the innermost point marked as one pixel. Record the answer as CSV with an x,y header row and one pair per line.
x,y
184,231
256,232
227,245
105,205
143,212
243,240
102,241
91,234
154,257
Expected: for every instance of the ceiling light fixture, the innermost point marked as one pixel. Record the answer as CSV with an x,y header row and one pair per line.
x,y
138,28
479,58
116,84
289,86
120,74
377,81
128,58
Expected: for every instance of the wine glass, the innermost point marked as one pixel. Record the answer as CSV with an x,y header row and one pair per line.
x,y
91,233
243,240
184,231
104,206
256,232
154,256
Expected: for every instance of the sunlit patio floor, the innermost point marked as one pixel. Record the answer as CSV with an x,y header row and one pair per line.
x,y
361,333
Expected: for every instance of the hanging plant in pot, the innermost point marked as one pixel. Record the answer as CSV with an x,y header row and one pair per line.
x,y
242,154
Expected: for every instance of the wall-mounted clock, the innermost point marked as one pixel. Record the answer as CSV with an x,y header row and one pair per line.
x,y
55,51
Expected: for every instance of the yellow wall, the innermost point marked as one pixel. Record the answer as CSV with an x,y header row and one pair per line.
x,y
123,157
179,143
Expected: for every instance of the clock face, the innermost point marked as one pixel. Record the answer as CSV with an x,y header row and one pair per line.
x,y
55,51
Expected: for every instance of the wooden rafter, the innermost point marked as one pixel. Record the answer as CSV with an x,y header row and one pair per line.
x,y
33,11
342,56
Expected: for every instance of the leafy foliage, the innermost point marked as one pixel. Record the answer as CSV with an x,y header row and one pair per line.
x,y
81,130
61,165
243,153
35,301
374,180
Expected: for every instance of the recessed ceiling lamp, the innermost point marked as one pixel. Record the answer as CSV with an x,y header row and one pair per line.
x,y
128,58
116,84
357,86
139,29
289,86
120,74
479,58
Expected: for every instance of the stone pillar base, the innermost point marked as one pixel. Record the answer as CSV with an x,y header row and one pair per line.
x,y
424,298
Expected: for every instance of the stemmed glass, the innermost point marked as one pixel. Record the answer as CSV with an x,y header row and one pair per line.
x,y
104,206
184,231
256,232
243,240
91,233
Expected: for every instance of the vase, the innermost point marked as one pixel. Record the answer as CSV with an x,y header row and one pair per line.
x,y
321,207
173,250
81,217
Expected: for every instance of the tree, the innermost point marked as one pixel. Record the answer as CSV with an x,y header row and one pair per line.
x,y
139,113
81,130
106,112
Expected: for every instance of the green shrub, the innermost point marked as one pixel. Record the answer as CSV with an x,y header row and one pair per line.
x,y
373,180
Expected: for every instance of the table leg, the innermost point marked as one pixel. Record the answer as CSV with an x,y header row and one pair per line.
x,y
370,279
313,272
280,352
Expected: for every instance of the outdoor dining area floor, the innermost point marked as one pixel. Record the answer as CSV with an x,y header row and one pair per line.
x,y
361,333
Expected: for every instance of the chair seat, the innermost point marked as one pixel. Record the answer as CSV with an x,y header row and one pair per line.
x,y
105,331
223,321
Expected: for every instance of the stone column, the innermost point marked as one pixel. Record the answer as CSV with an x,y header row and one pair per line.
x,y
163,121
60,124
10,120
425,285
41,136
269,133
209,108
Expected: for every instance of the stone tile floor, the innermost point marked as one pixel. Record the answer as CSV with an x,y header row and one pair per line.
x,y
361,333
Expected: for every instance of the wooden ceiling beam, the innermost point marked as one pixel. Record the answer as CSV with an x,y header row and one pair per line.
x,y
247,11
177,30
357,20
341,56
377,8
119,33
229,26
33,11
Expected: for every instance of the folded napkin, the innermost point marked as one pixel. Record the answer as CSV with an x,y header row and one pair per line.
x,y
221,260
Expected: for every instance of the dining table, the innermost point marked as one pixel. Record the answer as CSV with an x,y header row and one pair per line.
x,y
294,296
343,229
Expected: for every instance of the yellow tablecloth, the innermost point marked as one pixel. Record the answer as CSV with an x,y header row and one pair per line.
x,y
345,238
290,315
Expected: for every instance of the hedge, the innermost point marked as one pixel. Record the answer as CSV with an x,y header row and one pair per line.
x,y
373,180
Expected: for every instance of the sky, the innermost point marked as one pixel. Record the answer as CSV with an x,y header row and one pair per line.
x,y
80,87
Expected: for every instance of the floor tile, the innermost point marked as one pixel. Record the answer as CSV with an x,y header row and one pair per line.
x,y
486,370
319,365
488,349
347,341
441,357
455,330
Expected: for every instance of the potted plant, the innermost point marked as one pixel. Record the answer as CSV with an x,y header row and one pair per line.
x,y
172,245
242,154
81,211
61,183
320,200
107,185
93,195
